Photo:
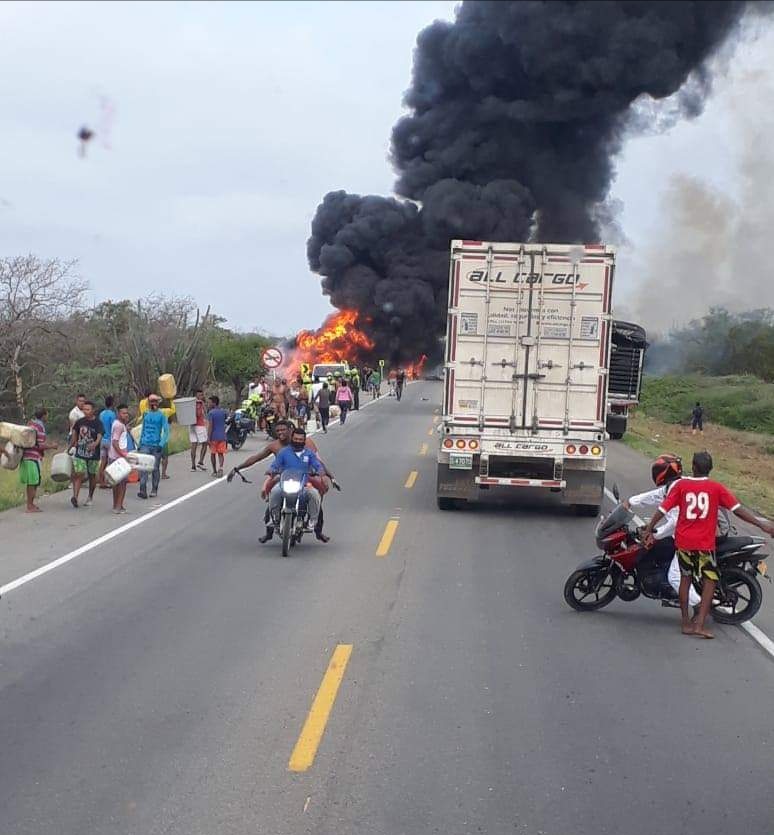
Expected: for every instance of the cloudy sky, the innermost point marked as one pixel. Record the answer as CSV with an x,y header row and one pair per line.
x,y
221,126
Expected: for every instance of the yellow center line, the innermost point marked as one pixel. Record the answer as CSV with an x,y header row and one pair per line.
x,y
423,449
411,479
386,541
306,748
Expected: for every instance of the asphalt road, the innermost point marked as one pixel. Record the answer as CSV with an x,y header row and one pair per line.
x,y
159,683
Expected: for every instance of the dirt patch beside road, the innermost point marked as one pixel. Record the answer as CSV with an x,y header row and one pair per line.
x,y
743,460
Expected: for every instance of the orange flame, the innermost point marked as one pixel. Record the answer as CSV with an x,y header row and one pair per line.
x,y
338,340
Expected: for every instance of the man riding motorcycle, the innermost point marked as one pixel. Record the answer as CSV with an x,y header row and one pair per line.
x,y
283,429
295,456
666,470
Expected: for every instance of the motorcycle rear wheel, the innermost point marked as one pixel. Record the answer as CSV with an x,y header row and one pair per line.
x,y
287,528
579,592
744,594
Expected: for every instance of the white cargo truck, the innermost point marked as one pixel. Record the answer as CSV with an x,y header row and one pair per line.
x,y
526,372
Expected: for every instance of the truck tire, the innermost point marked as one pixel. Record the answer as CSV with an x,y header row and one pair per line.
x,y
445,503
616,436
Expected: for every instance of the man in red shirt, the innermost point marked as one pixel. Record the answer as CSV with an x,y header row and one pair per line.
x,y
698,500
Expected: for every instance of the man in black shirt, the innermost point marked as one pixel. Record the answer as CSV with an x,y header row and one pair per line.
x,y
84,445
697,419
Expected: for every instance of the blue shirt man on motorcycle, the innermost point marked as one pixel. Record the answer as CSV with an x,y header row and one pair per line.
x,y
298,457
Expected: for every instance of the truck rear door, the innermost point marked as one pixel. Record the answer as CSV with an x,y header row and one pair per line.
x,y
528,336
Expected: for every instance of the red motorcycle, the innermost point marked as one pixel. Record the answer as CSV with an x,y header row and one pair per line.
x,y
626,570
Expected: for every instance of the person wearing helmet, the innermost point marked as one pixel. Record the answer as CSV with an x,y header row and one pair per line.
x,y
665,471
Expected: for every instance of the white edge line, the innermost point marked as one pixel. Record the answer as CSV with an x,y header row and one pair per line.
x,y
101,540
758,635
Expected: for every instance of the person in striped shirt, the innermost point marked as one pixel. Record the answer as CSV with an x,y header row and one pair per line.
x,y
29,468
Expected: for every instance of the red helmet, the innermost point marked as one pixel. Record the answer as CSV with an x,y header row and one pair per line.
x,y
667,467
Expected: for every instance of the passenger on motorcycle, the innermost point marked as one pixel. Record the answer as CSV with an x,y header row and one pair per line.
x,y
299,457
665,471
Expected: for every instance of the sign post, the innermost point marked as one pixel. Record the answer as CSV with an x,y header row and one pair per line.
x,y
272,359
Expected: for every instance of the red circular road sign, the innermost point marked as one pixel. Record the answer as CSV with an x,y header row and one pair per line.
x,y
272,358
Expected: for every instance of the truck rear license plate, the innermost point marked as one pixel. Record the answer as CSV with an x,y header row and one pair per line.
x,y
460,460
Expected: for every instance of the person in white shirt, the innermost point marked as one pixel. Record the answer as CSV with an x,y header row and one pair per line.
x,y
667,469
76,413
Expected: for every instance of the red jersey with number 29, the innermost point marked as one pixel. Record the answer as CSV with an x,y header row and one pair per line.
x,y
698,500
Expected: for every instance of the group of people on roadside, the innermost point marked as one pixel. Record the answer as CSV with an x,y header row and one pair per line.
x,y
96,438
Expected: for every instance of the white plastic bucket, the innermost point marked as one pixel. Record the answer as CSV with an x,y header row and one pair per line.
x,y
61,467
19,436
118,471
141,461
186,410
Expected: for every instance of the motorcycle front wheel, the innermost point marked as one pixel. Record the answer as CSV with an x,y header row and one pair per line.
x,y
287,529
740,598
584,591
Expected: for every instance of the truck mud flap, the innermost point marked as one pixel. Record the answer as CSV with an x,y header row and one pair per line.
x,y
456,484
584,487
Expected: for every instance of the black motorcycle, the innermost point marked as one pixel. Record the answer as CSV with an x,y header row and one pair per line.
x,y
237,430
626,570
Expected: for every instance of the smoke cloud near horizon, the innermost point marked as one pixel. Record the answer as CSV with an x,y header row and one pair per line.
x,y
516,113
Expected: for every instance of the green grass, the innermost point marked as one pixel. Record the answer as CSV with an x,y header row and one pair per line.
x,y
739,402
12,494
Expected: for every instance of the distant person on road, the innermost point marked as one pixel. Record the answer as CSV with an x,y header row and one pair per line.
x,y
106,417
197,434
400,382
302,406
169,411
323,402
118,448
85,443
153,439
375,384
29,468
216,435
76,413
344,399
697,419
279,398
698,501
354,384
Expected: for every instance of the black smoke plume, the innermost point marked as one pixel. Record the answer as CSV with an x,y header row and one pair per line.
x,y
516,113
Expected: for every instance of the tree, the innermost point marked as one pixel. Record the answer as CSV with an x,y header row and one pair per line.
x,y
237,357
36,297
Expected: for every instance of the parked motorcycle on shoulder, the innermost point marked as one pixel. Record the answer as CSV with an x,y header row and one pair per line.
x,y
620,571
237,430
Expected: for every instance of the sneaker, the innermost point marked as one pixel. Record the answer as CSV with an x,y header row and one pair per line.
x,y
201,467
142,495
117,511
154,493
193,469
87,503
220,473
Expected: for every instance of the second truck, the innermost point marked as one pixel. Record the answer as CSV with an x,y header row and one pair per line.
x,y
526,371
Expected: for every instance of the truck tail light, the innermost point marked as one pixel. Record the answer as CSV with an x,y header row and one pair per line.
x,y
596,450
473,444
570,449
460,444
584,450
448,443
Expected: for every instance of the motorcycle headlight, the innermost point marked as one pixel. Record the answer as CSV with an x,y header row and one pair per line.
x,y
290,485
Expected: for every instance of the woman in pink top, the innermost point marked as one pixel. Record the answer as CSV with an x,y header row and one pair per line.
x,y
344,399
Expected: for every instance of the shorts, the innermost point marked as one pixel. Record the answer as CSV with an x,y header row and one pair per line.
x,y
218,447
29,472
83,466
698,564
197,434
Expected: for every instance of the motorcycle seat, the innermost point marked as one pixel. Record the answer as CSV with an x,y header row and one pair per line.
x,y
732,543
